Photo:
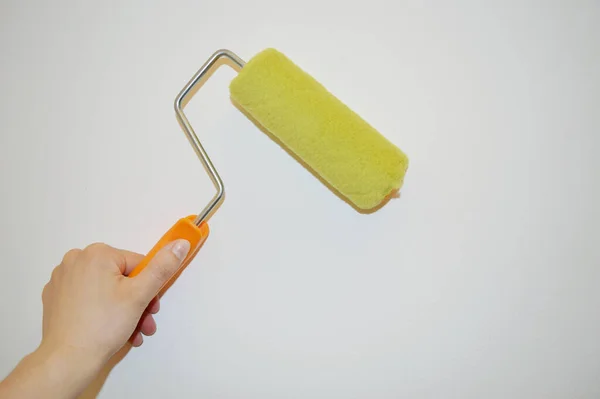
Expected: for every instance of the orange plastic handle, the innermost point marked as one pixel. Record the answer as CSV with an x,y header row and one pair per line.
x,y
184,228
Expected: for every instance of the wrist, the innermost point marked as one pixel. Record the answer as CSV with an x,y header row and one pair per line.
x,y
51,372
68,365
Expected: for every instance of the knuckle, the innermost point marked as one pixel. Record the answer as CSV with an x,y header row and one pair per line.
x,y
171,259
161,272
71,255
166,266
55,273
96,247
96,251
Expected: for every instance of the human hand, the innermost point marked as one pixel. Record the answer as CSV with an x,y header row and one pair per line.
x,y
91,307
90,310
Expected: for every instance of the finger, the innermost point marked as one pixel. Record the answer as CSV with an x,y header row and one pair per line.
x,y
107,256
147,325
125,260
137,339
130,261
160,269
154,306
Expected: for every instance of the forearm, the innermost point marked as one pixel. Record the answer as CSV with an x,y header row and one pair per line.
x,y
50,373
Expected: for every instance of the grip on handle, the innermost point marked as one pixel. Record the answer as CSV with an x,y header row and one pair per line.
x,y
184,228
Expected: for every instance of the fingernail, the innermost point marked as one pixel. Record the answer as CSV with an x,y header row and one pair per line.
x,y
180,248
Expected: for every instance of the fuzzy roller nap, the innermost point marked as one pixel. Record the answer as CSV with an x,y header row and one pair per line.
x,y
329,137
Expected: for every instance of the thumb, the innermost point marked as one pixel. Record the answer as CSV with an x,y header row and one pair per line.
x,y
160,269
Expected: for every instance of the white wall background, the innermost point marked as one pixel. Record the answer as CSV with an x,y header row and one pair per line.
x,y
481,281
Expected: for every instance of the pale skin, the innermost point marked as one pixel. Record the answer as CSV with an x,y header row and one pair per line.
x,y
91,310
